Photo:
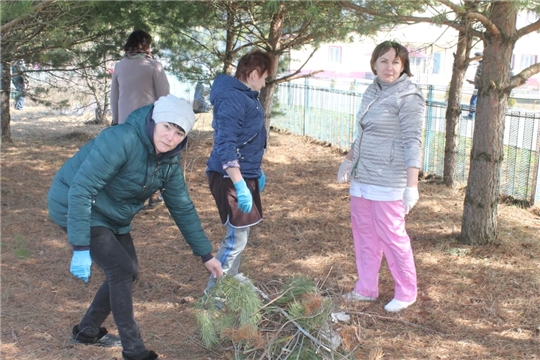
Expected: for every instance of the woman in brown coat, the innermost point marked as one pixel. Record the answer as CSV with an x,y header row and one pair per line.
x,y
138,79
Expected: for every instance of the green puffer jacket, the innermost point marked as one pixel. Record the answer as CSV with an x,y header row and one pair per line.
x,y
107,181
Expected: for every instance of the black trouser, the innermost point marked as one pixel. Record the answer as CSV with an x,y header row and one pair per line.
x,y
115,254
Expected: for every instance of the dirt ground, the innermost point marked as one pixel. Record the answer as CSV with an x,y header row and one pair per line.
x,y
473,303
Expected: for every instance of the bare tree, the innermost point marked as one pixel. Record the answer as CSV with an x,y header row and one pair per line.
x,y
80,85
45,32
34,30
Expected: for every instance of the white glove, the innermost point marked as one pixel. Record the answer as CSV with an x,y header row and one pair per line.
x,y
344,172
410,197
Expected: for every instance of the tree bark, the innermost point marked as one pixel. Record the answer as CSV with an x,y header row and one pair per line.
x,y
267,94
100,115
228,54
479,223
6,92
453,110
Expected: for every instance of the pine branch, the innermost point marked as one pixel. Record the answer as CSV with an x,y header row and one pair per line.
x,y
292,321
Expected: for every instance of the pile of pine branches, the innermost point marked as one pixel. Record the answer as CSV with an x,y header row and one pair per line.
x,y
293,323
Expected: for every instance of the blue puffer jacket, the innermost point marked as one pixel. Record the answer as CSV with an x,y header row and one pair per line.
x,y
107,181
239,131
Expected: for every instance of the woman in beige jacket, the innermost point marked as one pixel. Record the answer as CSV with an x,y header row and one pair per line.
x,y
138,79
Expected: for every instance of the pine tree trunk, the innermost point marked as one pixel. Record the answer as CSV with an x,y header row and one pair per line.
x,y
274,37
100,115
479,224
228,54
266,97
6,92
453,111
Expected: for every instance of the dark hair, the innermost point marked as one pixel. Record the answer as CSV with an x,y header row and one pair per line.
x,y
255,60
401,52
138,40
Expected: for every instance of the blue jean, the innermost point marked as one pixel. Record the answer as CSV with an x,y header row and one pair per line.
x,y
230,252
20,103
20,91
116,255
472,103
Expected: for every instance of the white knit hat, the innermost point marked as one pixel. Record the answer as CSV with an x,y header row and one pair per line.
x,y
174,110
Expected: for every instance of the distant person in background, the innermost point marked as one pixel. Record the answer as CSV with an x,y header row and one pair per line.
x,y
95,196
476,83
19,82
234,166
201,104
138,80
382,167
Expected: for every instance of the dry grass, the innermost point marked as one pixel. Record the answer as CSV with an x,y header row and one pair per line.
x,y
481,303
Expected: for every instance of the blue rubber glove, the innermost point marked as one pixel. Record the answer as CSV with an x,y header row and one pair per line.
x,y
245,200
262,181
80,264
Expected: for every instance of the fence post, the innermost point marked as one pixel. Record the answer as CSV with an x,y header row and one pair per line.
x,y
429,123
536,184
536,195
306,106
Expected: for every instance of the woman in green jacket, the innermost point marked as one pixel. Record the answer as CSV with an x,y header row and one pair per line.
x,y
96,194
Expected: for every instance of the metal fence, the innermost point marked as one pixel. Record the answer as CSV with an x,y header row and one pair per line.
x,y
328,115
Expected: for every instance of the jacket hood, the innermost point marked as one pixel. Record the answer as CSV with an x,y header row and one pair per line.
x,y
224,83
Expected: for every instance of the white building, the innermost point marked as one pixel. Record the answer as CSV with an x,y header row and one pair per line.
x,y
431,54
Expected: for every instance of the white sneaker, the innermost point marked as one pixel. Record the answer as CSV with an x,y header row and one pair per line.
x,y
397,305
354,296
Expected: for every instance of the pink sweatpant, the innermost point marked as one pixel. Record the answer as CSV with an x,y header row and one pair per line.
x,y
379,227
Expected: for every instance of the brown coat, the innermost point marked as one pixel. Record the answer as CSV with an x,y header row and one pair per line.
x,y
136,83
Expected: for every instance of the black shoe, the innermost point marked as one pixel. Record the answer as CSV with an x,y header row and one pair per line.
x,y
151,356
103,338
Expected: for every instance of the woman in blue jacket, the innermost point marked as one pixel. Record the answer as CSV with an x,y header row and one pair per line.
x,y
96,194
234,166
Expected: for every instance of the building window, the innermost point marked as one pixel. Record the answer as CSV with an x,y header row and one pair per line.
x,y
528,60
334,54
